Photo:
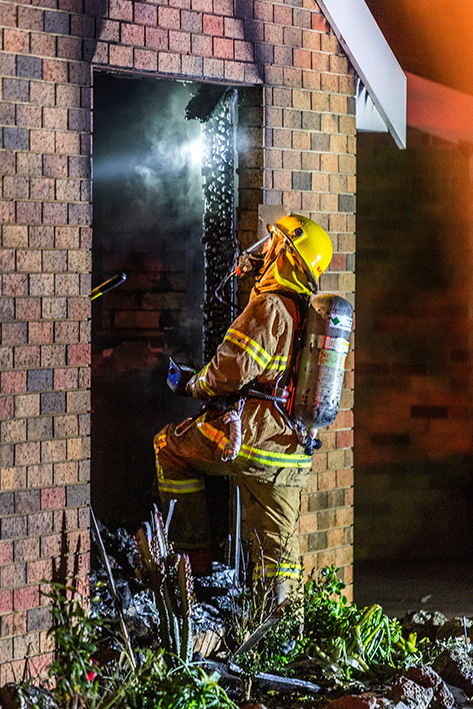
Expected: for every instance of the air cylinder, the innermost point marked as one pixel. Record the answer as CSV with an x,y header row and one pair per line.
x,y
321,366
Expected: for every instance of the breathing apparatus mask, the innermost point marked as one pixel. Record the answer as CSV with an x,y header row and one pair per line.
x,y
306,241
250,261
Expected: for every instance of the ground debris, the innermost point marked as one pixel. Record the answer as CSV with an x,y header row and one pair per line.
x,y
423,623
455,666
211,604
426,676
411,693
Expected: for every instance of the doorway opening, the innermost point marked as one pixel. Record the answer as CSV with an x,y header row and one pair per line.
x,y
164,200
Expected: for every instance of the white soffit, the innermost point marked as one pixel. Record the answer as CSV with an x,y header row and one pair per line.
x,y
374,62
367,115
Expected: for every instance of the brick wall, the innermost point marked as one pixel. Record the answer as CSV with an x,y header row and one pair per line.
x,y
414,349
303,138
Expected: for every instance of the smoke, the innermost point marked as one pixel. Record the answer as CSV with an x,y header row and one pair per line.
x,y
147,157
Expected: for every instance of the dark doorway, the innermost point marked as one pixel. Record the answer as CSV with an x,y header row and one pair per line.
x,y
151,182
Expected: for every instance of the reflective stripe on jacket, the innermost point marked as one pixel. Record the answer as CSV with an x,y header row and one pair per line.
x,y
256,348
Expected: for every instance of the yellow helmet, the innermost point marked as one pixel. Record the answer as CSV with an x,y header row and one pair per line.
x,y
309,241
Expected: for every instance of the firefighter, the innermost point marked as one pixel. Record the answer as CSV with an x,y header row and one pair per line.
x,y
250,369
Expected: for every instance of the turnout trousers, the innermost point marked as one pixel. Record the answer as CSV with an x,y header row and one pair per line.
x,y
270,510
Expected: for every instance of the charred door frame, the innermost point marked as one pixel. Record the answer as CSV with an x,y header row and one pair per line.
x,y
219,193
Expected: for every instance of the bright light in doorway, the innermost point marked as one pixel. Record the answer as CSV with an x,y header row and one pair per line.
x,y
193,151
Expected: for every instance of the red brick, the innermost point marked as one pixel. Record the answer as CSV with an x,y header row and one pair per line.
x,y
40,332
28,260
14,624
66,332
110,31
66,473
43,45
40,476
12,382
51,545
64,519
234,28
54,70
79,354
24,598
53,498
223,7
54,308
42,188
7,407
67,237
65,378
223,48
6,601
27,405
16,41
8,16
283,15
16,187
38,665
28,308
319,23
80,261
42,93
14,333
53,355
302,58
192,66
6,552
234,71
213,25
84,377
78,401
121,10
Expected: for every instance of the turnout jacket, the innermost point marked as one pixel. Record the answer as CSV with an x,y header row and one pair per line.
x,y
257,348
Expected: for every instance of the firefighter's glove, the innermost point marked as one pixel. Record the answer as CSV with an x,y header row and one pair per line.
x,y
189,391
193,390
233,418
